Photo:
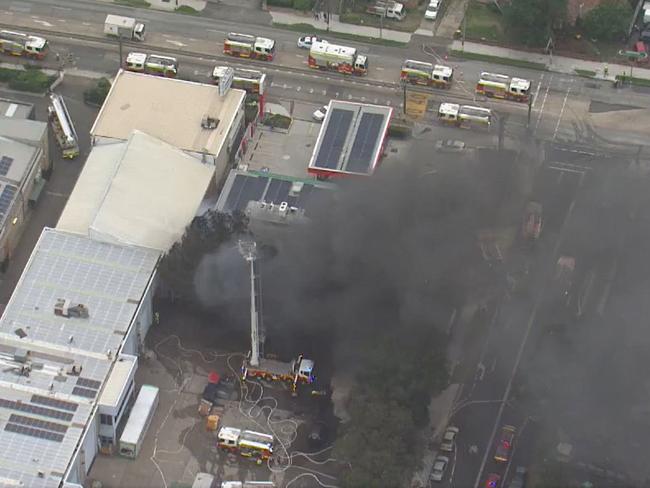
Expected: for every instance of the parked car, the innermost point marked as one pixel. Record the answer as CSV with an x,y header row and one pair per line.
x,y
305,42
504,446
450,146
319,114
519,478
431,13
449,439
493,480
439,468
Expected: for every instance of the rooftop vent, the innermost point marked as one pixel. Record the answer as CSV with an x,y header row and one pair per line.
x,y
209,122
65,308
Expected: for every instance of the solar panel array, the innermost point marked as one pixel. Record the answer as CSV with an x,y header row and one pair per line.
x,y
5,165
35,409
334,138
6,197
53,402
37,423
32,432
84,392
88,383
365,142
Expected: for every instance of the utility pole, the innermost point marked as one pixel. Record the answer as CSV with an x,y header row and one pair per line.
x,y
329,15
404,100
530,109
462,38
119,40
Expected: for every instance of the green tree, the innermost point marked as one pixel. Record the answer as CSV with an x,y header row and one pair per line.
x,y
532,21
608,21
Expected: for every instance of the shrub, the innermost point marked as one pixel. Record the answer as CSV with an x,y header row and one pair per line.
x,y
303,5
97,94
186,9
30,81
280,3
400,131
608,21
277,121
351,18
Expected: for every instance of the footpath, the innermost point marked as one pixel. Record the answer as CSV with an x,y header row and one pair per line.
x,y
558,64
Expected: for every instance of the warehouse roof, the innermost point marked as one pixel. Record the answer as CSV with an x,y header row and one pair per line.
x,y
171,110
142,192
22,129
15,109
351,139
52,367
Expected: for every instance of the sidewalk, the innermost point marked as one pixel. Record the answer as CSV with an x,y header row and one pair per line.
x,y
452,19
558,64
282,17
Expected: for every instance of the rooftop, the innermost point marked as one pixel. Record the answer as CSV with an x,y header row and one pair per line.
x,y
16,159
351,139
52,368
15,109
140,192
169,109
242,187
22,129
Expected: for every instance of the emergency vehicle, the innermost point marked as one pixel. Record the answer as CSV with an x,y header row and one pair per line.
x,y
247,46
346,60
250,80
246,443
502,86
427,74
464,115
152,64
19,44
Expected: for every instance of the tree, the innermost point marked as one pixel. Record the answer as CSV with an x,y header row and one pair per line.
x,y
608,21
532,21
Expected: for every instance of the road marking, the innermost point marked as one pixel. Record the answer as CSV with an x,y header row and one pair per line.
x,y
559,119
311,90
43,23
539,86
541,110
298,88
56,194
324,92
379,68
175,43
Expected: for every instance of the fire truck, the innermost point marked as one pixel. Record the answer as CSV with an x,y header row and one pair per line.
x,y
464,115
247,46
246,443
19,44
255,365
503,86
152,64
427,74
65,134
250,80
346,60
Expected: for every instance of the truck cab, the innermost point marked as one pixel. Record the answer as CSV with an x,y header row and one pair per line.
x,y
361,64
139,31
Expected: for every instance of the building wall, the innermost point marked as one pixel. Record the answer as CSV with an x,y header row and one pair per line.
x,y
226,158
174,4
85,455
110,416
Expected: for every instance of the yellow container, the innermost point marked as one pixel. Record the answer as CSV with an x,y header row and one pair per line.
x,y
212,423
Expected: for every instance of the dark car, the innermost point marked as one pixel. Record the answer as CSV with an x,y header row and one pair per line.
x,y
502,453
519,478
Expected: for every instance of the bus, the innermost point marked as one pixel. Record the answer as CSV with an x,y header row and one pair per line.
x,y
465,116
139,421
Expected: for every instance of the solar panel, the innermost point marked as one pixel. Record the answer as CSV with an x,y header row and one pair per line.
x,y
53,402
278,191
6,197
37,423
243,190
84,392
88,383
365,141
30,431
333,140
5,164
35,409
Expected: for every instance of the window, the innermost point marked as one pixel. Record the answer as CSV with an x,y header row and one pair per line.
x,y
105,440
105,419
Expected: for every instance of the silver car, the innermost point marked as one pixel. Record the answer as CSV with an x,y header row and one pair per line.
x,y
439,468
449,439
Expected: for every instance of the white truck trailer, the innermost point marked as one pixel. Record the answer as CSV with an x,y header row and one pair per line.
x,y
124,27
139,421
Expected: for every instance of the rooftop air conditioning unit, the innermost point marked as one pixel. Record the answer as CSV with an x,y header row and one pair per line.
x,y
209,122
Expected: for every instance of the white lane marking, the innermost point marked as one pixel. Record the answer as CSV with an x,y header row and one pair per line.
x,y
379,68
43,23
559,119
175,43
298,88
541,109
539,86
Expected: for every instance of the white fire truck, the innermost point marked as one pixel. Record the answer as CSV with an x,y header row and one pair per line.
x,y
65,133
346,60
247,46
427,74
464,115
19,44
255,365
152,64
246,443
503,86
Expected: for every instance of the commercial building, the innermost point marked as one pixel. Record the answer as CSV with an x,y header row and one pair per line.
x,y
190,116
141,192
69,338
16,109
351,140
24,163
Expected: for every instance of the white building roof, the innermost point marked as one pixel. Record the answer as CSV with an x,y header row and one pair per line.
x,y
16,160
169,109
142,192
115,383
43,414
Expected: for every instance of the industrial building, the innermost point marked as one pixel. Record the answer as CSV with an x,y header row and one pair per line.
x,y
351,140
141,192
24,164
69,339
193,117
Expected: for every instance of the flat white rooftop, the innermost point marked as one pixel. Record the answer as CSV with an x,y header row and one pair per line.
x,y
169,109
